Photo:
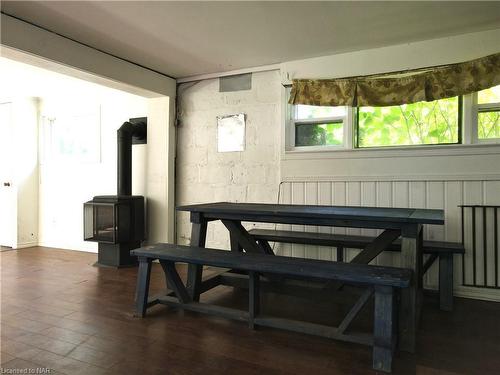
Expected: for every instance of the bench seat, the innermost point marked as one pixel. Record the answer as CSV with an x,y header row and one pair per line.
x,y
436,249
382,282
286,266
342,240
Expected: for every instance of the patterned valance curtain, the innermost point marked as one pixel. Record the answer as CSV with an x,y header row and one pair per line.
x,y
400,88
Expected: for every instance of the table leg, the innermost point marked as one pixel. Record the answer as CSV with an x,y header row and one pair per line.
x,y
253,298
198,238
370,252
239,235
411,254
235,245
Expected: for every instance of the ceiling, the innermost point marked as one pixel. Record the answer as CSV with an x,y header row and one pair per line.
x,y
182,39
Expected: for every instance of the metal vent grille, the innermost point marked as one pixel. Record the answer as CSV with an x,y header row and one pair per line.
x,y
235,83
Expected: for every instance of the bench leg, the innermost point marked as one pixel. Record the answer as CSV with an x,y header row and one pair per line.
x,y
142,290
446,282
253,298
384,336
174,281
340,254
420,260
195,272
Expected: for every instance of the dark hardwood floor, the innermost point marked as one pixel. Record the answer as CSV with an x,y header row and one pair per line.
x,y
60,312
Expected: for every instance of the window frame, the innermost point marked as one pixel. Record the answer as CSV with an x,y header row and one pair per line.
x,y
48,133
320,121
467,133
477,108
291,121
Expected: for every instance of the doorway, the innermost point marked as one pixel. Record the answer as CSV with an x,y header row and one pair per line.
x,y
6,188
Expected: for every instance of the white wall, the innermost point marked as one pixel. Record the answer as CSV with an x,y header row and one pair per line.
x,y
413,55
160,165
431,177
203,174
65,186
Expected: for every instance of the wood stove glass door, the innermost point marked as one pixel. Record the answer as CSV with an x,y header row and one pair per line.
x,y
104,223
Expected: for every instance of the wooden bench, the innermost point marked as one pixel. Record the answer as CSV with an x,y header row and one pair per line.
x,y
382,282
435,249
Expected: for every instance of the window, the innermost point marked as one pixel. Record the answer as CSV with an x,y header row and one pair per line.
x,y
318,126
71,137
471,119
488,114
423,123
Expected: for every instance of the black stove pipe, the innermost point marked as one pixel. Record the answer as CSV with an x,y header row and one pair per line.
x,y
131,132
124,175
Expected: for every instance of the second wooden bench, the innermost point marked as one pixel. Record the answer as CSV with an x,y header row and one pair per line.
x,y
443,251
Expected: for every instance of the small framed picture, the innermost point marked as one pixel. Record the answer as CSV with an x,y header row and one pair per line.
x,y
231,133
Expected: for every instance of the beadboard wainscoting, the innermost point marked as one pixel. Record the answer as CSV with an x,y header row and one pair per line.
x,y
440,194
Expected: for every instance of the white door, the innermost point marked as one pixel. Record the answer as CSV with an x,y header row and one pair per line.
x,y
6,188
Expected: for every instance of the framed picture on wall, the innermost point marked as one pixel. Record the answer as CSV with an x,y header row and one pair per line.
x,y
231,133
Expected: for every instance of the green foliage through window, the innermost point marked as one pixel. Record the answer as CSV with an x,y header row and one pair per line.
x,y
488,124
329,134
409,124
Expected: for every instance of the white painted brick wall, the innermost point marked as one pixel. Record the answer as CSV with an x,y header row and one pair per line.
x,y
203,174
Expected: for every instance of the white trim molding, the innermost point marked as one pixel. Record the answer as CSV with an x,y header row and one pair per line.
x,y
389,178
477,293
23,245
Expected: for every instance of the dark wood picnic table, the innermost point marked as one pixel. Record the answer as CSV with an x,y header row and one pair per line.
x,y
394,223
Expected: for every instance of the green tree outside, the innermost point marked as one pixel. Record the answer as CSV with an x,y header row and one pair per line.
x,y
409,124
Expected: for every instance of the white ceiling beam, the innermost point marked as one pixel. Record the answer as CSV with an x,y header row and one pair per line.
x,y
19,37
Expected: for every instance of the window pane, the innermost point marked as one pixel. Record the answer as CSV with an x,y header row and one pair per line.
x,y
491,95
410,124
319,134
488,124
311,112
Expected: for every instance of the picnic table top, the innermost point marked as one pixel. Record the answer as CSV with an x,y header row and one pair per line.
x,y
372,214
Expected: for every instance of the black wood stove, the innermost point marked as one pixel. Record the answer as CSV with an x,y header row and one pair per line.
x,y
117,222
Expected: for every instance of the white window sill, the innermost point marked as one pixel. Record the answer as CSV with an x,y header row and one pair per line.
x,y
338,152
